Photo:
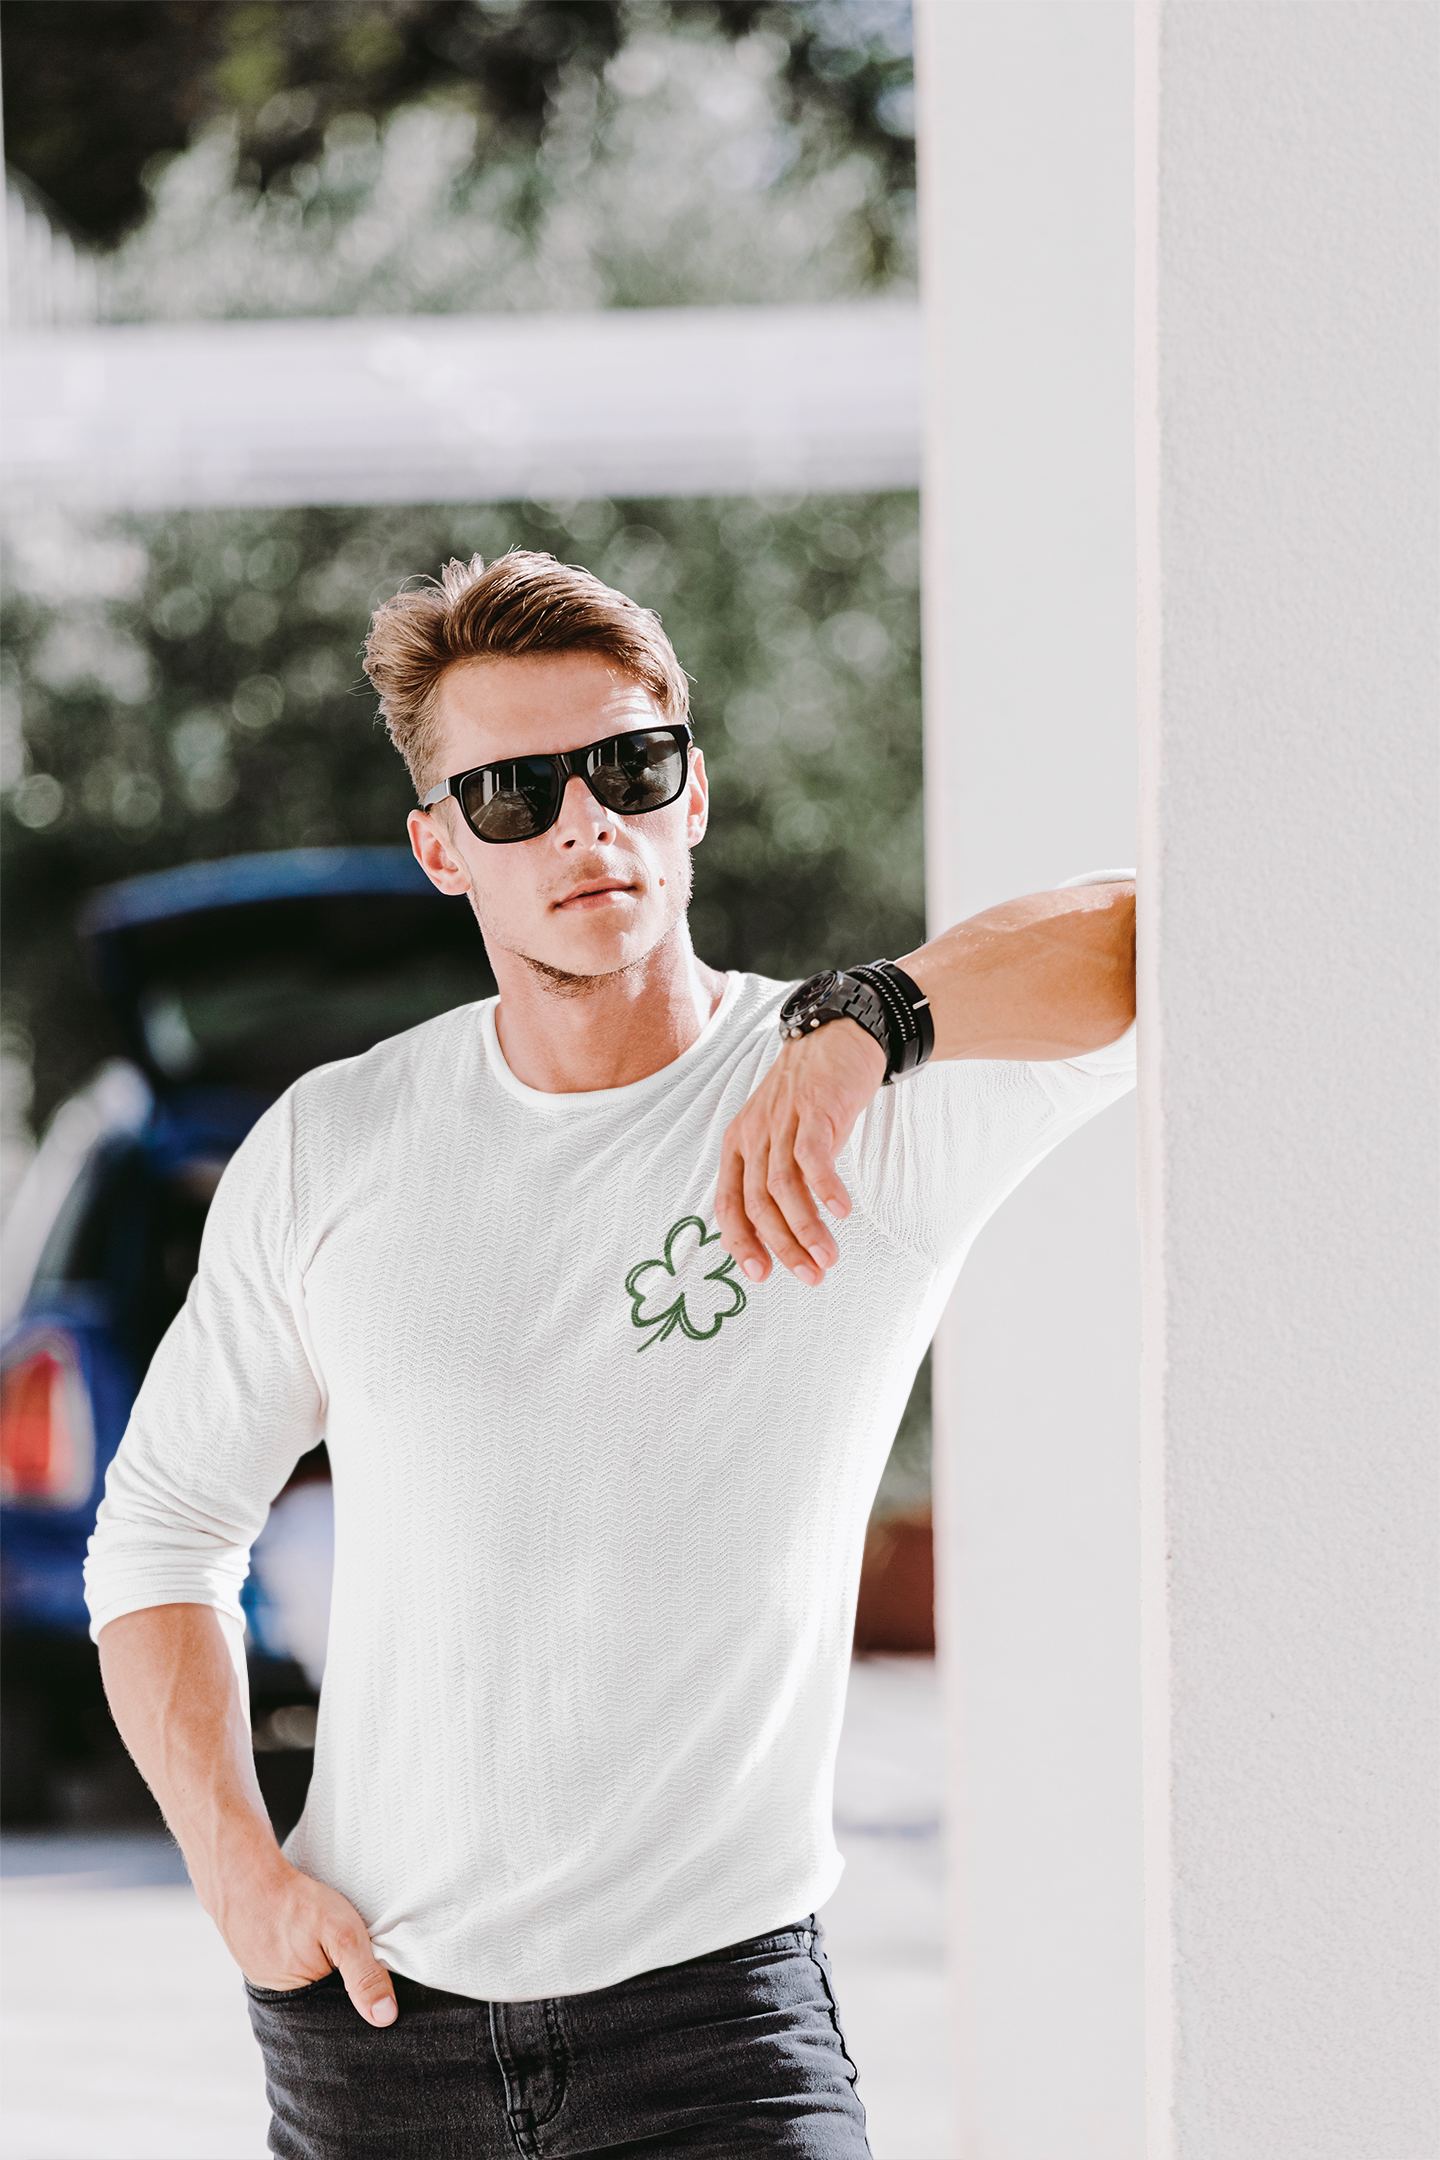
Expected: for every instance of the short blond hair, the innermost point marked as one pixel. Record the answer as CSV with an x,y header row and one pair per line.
x,y
523,603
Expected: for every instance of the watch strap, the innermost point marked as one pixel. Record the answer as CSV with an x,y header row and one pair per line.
x,y
907,1014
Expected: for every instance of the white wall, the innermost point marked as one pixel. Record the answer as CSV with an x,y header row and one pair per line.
x,y
1288,316
1026,202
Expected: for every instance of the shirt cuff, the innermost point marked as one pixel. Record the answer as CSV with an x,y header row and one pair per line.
x,y
1114,1060
1096,877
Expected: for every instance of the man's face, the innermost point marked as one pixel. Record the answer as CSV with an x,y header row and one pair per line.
x,y
598,891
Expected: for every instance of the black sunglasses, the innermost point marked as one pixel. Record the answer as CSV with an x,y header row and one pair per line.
x,y
520,797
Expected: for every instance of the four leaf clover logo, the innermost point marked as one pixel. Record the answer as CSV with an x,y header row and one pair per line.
x,y
685,1290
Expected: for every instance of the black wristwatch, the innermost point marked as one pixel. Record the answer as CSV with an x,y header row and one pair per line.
x,y
881,998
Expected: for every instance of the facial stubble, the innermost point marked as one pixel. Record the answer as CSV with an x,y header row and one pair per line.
x,y
566,982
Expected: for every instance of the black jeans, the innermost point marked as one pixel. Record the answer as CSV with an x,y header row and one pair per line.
x,y
739,2052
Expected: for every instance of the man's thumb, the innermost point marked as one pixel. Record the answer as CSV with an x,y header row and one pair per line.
x,y
367,1983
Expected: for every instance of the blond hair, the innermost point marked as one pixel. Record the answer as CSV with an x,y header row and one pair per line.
x,y
524,603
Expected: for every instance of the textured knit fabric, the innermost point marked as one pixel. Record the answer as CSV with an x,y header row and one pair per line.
x,y
736,2053
599,1501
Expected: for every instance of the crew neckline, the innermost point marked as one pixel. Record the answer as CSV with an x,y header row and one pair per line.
x,y
570,1102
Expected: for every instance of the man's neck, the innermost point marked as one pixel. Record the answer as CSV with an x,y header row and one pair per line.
x,y
573,1034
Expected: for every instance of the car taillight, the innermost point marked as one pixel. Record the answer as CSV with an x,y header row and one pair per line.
x,y
47,1454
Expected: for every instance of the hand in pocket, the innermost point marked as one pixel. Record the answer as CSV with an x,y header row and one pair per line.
x,y
295,1932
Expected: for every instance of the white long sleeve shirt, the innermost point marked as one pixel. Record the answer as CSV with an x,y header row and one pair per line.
x,y
599,1501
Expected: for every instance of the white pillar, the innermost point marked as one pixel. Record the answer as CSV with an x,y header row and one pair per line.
x,y
1289,288
1026,206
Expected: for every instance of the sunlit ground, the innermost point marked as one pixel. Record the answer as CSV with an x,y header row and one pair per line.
x,y
125,2034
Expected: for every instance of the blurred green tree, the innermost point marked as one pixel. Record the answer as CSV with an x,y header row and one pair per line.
x,y
96,92
681,173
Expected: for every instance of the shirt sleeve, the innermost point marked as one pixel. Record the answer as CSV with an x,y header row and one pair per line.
x,y
935,1155
231,1401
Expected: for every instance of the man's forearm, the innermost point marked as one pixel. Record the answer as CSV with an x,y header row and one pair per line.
x,y
175,1694
1049,976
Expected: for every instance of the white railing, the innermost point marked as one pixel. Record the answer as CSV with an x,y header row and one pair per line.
x,y
445,408
49,282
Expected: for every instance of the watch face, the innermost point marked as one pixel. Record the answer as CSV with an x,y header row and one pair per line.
x,y
810,993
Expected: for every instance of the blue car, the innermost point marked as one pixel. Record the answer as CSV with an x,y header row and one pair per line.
x,y
229,980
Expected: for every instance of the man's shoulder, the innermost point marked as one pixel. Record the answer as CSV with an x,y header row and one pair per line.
x,y
751,1018
394,1071
759,995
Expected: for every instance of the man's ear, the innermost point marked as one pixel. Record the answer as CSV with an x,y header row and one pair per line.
x,y
434,854
698,805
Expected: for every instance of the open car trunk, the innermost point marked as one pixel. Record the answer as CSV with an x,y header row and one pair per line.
x,y
246,973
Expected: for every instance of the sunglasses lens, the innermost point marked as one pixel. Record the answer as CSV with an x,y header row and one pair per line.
x,y
510,802
638,772
520,798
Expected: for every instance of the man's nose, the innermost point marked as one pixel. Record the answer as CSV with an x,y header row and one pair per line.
x,y
582,820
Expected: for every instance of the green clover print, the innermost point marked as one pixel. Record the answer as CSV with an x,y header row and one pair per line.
x,y
680,1292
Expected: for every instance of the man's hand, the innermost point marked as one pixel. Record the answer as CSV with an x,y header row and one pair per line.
x,y
174,1676
1049,976
778,1156
287,1930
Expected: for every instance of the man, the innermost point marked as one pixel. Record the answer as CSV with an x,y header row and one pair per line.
x,y
602,1469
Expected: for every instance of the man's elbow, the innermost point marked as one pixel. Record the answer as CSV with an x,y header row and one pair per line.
x,y
1110,999
1126,953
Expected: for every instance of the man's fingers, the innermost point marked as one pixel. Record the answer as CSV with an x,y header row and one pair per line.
x,y
777,1169
791,1194
815,1153
367,1983
764,1226
769,1221
736,1229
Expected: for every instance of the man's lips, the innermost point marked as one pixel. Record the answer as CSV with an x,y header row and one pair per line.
x,y
598,893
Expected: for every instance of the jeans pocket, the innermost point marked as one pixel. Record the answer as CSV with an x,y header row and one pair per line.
x,y
277,1997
